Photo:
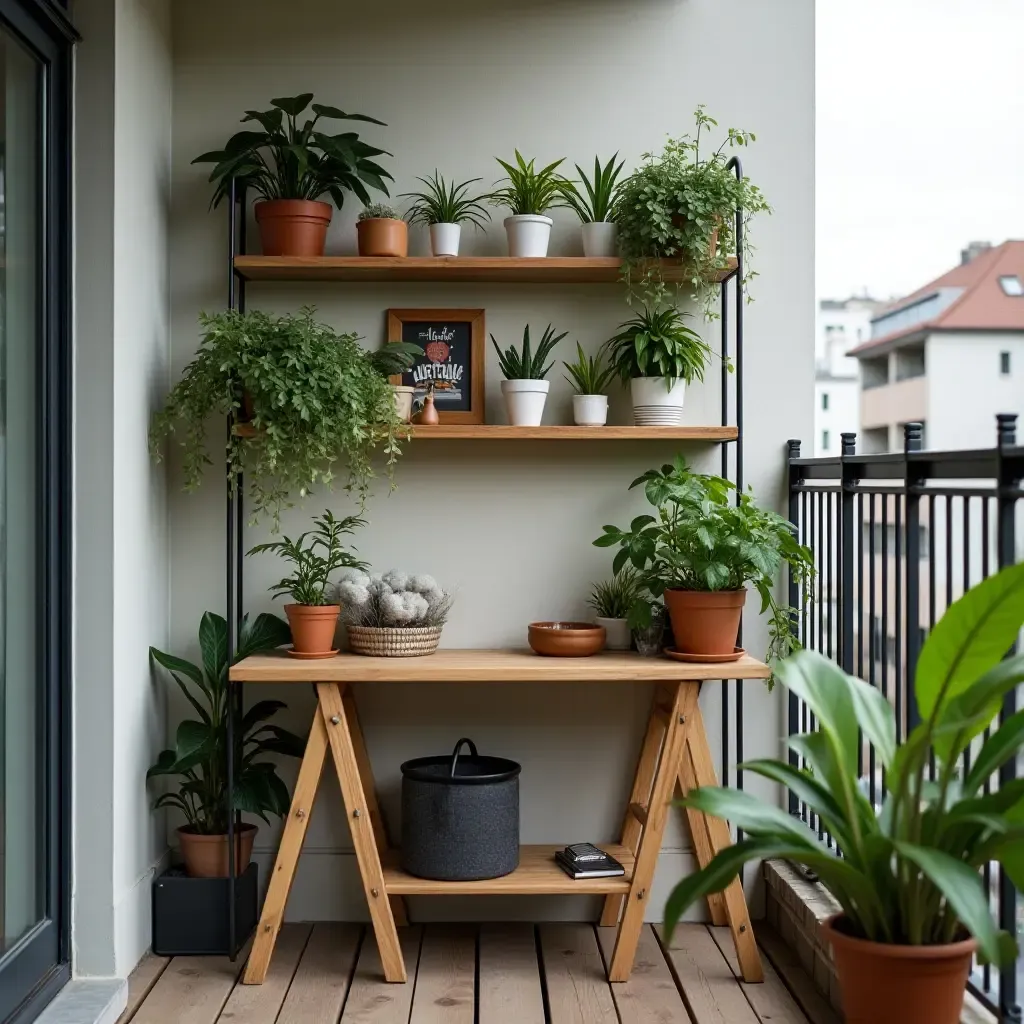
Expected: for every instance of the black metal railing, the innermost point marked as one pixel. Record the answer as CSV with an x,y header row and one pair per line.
x,y
896,539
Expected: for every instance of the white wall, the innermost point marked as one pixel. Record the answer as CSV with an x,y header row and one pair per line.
x,y
509,526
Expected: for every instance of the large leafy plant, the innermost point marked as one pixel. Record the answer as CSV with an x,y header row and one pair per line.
x,y
315,396
658,343
444,202
909,870
702,539
596,200
289,160
199,757
528,190
525,363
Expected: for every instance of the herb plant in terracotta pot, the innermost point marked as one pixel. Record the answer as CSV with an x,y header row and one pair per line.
x,y
528,194
290,165
444,207
382,232
594,204
525,387
315,555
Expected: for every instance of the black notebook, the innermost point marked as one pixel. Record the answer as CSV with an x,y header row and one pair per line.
x,y
586,861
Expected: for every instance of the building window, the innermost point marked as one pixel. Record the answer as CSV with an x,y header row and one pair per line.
x,y
1004,364
824,394
1011,285
824,440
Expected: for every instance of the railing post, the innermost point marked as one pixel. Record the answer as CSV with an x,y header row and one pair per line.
x,y
913,479
793,449
847,525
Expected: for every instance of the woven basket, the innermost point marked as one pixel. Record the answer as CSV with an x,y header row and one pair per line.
x,y
393,641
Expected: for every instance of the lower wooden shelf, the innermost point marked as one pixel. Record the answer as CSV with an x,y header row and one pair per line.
x,y
537,874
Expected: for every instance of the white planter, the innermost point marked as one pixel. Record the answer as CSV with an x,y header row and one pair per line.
x,y
528,235
617,633
655,404
590,410
524,401
600,238
403,401
444,239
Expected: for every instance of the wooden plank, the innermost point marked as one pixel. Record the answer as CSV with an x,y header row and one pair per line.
x,y
321,982
446,976
510,988
482,666
146,974
191,990
565,432
261,1005
537,874
650,996
578,990
799,982
708,985
771,1000
371,999
701,838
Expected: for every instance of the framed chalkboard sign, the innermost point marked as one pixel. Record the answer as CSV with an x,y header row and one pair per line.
x,y
453,359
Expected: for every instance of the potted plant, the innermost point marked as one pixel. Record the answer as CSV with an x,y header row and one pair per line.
x,y
290,166
313,615
700,551
590,379
381,232
314,397
657,355
392,360
611,601
914,907
680,205
444,207
199,756
596,209
528,195
525,387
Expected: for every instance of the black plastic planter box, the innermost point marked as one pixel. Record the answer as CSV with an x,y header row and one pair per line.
x,y
190,915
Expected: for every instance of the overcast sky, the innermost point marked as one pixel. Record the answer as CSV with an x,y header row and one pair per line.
x,y
920,137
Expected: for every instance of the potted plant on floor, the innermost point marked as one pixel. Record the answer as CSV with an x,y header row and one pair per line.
x,y
313,615
612,601
290,166
700,551
596,207
528,195
392,360
590,379
657,355
313,395
381,232
444,207
525,387
914,907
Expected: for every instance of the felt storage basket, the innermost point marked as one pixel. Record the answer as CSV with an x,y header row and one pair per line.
x,y
393,641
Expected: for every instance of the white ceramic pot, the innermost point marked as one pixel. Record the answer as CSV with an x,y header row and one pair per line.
x,y
444,239
590,410
617,633
657,401
524,401
600,238
528,235
403,401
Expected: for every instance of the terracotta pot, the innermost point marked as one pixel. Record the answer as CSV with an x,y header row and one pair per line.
x,y
383,236
428,415
705,622
566,639
207,856
293,227
884,984
313,628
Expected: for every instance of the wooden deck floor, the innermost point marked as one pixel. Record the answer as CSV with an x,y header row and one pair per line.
x,y
466,974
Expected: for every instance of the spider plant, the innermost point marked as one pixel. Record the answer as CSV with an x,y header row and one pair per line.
x,y
614,598
598,204
658,343
529,191
445,203
524,364
588,375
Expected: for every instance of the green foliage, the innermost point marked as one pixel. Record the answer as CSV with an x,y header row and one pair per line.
x,y
670,206
597,201
614,598
588,375
658,343
529,191
315,397
315,560
446,203
287,160
524,364
199,757
701,540
909,871
378,211
394,358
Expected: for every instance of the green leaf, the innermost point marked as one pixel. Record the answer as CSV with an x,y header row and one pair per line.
x,y
1003,745
293,105
260,712
266,633
213,643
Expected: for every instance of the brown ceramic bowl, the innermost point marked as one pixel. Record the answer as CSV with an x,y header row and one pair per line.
x,y
567,639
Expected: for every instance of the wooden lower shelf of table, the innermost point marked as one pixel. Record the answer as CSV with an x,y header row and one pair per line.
x,y
537,874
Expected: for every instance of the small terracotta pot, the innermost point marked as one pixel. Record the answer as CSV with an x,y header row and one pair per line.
x,y
293,227
566,639
313,628
705,622
207,856
428,415
883,984
383,236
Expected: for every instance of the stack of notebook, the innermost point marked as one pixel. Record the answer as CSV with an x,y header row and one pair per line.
x,y
584,860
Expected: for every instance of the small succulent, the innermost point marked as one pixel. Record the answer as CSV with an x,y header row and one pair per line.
x,y
392,599
378,211
521,364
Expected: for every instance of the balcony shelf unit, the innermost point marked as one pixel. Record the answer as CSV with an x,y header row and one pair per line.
x,y
499,432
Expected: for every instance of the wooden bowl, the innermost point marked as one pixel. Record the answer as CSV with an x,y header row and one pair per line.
x,y
566,639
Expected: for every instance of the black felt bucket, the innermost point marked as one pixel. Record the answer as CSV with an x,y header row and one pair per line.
x,y
460,816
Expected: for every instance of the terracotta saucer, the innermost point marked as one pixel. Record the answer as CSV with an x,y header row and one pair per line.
x,y
703,659
304,656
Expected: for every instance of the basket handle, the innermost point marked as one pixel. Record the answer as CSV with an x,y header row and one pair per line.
x,y
458,747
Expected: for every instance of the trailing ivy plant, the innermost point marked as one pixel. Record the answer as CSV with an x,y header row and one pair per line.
x,y
315,397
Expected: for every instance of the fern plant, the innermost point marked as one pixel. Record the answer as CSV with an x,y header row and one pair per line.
x,y
445,203
524,364
378,211
588,375
529,191
597,200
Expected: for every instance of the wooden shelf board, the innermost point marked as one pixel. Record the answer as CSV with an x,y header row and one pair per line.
x,y
480,269
537,874
519,665
565,432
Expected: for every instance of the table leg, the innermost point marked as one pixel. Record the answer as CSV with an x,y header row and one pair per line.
x,y
702,845
339,735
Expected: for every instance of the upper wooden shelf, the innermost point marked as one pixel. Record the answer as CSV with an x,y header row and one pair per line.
x,y
481,269
495,431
